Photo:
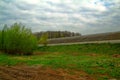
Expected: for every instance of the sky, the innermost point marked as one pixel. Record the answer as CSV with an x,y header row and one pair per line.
x,y
83,16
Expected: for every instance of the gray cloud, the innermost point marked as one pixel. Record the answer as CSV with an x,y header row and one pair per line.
x,y
82,16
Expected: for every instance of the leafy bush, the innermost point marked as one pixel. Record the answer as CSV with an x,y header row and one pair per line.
x,y
17,39
43,39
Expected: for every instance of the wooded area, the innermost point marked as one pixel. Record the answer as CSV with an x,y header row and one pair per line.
x,y
57,34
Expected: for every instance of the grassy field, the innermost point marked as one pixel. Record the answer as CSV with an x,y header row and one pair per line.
x,y
102,61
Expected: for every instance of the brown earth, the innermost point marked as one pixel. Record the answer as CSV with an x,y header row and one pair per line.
x,y
86,38
40,73
116,55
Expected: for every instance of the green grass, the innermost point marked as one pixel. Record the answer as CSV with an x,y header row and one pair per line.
x,y
105,48
95,59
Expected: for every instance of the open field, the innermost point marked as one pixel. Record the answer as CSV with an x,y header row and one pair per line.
x,y
64,62
87,38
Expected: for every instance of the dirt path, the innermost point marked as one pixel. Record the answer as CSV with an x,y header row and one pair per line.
x,y
84,42
40,73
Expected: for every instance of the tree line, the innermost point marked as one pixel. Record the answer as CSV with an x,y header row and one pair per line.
x,y
56,34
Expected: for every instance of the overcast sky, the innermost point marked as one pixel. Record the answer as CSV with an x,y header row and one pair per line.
x,y
83,16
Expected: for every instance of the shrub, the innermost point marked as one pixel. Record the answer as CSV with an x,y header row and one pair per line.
x,y
43,39
17,40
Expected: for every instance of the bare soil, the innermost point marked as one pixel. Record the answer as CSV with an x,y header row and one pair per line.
x,y
116,55
87,38
40,73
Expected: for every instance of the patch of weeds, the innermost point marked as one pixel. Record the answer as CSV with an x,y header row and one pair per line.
x,y
103,78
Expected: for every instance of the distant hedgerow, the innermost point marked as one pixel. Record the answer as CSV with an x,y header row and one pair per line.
x,y
17,39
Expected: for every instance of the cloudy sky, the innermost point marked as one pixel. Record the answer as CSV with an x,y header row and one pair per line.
x,y
83,16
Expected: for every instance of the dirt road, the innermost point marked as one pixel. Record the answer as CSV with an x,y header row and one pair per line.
x,y
40,73
88,42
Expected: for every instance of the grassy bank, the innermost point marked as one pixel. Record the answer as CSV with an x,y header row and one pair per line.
x,y
101,61
103,48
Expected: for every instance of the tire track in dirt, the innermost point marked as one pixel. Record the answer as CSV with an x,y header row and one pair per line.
x,y
37,73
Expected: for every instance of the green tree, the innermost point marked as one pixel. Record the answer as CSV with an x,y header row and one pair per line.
x,y
17,40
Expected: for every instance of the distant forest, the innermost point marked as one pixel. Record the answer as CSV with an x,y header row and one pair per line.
x,y
57,34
